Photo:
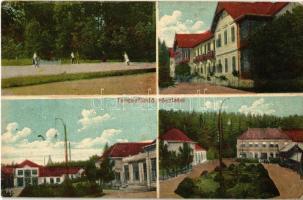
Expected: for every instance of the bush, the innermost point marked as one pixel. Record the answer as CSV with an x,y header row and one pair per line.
x,y
182,71
274,160
186,188
204,173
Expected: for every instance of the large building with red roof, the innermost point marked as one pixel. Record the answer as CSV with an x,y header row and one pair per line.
x,y
267,143
134,163
30,173
175,139
224,48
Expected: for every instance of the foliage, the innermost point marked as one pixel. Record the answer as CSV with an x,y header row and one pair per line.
x,y
36,80
182,71
202,127
278,56
91,29
164,66
66,189
240,181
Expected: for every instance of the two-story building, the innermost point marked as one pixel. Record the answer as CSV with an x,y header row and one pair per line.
x,y
134,163
262,143
175,138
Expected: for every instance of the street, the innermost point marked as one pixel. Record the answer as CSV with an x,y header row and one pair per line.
x,y
29,70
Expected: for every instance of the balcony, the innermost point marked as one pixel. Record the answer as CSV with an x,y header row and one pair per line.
x,y
205,57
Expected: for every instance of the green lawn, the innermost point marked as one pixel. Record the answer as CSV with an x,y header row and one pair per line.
x,y
239,181
36,80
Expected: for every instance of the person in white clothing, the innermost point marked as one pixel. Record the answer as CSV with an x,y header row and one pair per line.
x,y
35,60
72,55
126,60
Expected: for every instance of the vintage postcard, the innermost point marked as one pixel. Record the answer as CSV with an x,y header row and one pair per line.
x,y
78,48
79,148
231,147
230,47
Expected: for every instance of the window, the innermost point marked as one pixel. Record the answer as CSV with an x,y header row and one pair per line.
x,y
256,145
20,182
219,67
219,40
154,169
34,172
226,65
20,172
250,145
58,180
271,145
136,171
225,37
126,172
234,63
35,181
44,180
263,145
233,38
242,145
51,180
208,46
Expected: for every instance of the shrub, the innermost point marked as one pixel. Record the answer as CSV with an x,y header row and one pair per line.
x,y
204,173
186,188
182,71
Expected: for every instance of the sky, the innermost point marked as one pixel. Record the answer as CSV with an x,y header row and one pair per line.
x,y
184,17
91,123
254,105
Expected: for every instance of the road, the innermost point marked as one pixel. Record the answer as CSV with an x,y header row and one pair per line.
x,y
28,70
129,84
194,88
168,187
287,181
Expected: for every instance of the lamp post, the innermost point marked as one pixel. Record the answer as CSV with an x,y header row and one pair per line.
x,y
65,141
220,130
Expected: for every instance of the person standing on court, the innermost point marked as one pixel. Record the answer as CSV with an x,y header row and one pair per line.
x,y
72,57
126,60
35,60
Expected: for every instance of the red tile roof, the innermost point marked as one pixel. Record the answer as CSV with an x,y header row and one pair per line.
x,y
8,170
171,52
192,40
28,163
199,148
295,135
240,9
263,133
125,149
175,135
57,171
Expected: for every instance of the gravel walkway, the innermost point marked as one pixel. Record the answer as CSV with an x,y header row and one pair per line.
x,y
19,71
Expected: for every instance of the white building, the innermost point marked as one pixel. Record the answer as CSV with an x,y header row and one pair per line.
x,y
175,138
134,163
30,173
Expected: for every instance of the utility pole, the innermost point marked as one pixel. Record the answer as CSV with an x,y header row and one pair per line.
x,y
70,152
65,142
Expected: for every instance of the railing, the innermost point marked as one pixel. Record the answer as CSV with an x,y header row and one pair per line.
x,y
204,57
172,174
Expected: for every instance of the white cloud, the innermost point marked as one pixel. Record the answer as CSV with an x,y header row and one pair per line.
x,y
12,134
174,23
104,137
122,140
258,107
90,118
51,133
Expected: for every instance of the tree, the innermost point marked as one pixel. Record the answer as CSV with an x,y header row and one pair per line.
x,y
276,48
185,155
164,66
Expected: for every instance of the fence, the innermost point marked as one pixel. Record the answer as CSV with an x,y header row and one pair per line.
x,y
174,173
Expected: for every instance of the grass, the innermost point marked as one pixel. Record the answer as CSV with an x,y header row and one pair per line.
x,y
36,80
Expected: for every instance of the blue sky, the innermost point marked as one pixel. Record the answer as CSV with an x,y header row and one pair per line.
x,y
184,17
90,124
256,105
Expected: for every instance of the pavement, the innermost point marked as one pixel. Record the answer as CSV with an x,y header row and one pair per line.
x,y
287,181
194,88
49,69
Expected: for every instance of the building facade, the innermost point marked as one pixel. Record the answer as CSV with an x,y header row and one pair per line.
x,y
30,173
224,49
175,139
264,143
134,164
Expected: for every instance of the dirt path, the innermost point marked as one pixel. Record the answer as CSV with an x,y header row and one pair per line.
x,y
194,88
168,187
18,71
130,84
111,194
287,181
